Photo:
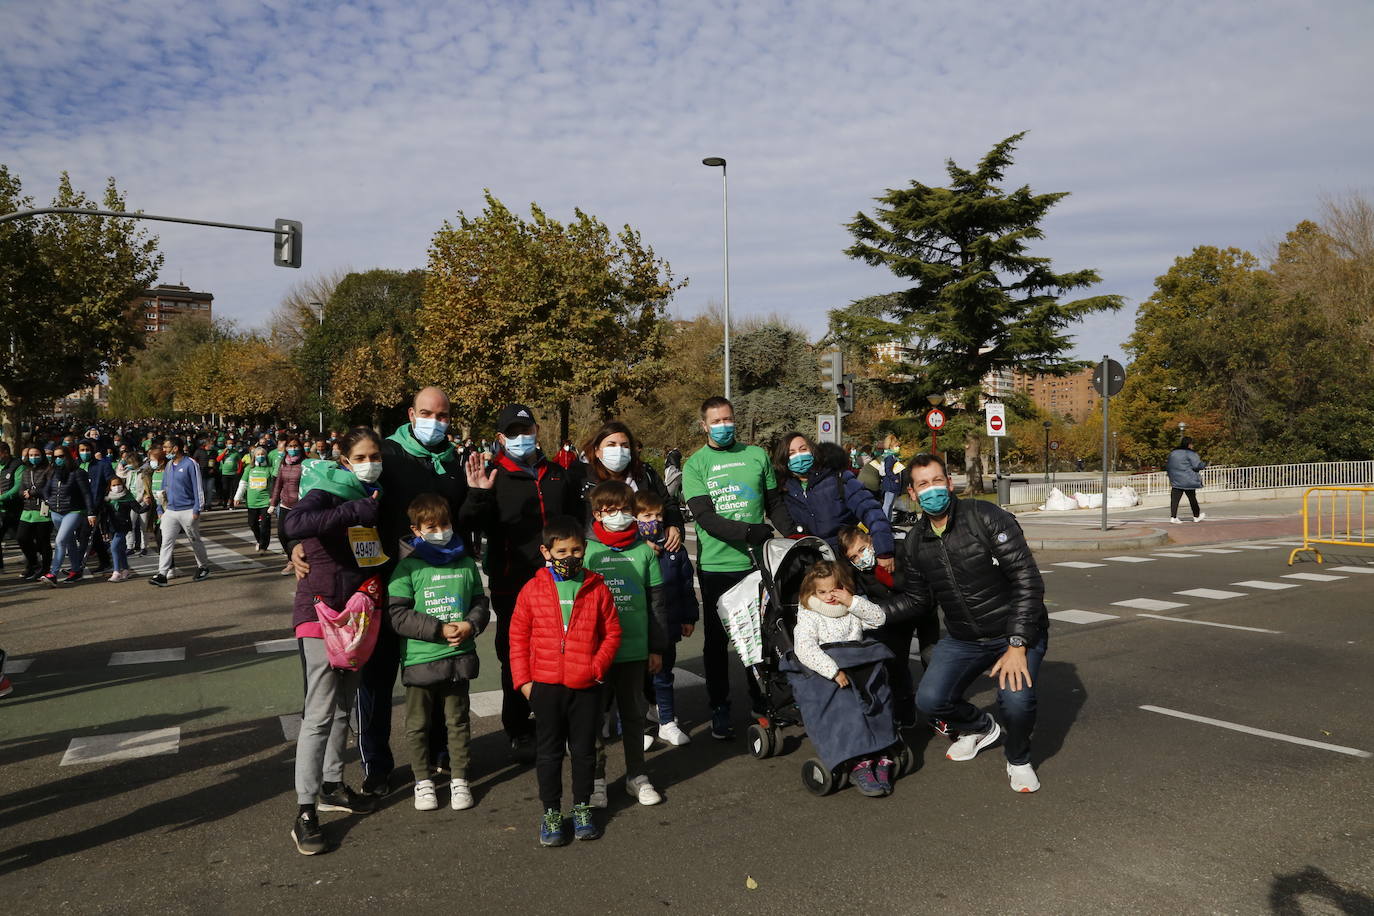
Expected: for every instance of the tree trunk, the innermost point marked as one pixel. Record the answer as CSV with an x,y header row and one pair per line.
x,y
564,409
973,464
11,413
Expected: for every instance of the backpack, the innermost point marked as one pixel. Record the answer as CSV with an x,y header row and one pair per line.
x,y
350,635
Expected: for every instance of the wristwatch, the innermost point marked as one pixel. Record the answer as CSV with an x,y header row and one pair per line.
x,y
1016,642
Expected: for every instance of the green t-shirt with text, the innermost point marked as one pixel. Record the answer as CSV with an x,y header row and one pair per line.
x,y
443,592
629,574
567,594
737,479
257,484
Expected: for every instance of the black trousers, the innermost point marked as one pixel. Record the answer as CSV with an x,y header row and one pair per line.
x,y
564,716
260,520
515,709
1175,493
35,541
715,654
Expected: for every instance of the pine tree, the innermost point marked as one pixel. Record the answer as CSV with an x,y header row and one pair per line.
x,y
979,301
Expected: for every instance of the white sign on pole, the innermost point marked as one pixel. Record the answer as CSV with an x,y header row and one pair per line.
x,y
996,415
825,428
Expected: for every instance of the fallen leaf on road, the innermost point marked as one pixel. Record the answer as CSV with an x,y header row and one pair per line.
x,y
1326,733
751,883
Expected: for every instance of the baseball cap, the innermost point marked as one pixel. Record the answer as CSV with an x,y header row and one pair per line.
x,y
514,415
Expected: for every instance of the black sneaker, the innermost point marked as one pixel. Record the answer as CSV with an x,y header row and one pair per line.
x,y
306,834
202,574
377,786
29,576
344,799
721,729
584,823
72,576
159,580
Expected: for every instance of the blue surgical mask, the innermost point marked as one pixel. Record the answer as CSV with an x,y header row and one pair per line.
x,y
428,431
934,500
723,433
867,559
800,463
519,446
616,458
60,462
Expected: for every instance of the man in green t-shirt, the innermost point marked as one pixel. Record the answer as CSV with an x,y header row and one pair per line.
x,y
731,491
255,489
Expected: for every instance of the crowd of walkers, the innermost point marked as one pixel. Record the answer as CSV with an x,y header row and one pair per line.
x,y
584,573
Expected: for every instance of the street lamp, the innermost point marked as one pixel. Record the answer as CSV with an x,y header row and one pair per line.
x,y
1181,427
713,162
319,306
1048,424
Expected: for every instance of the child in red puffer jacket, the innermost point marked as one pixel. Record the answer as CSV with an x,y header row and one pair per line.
x,y
564,634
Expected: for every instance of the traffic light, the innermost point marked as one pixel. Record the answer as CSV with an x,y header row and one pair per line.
x,y
286,252
844,394
832,370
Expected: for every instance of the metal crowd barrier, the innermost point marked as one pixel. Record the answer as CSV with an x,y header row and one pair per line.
x,y
1338,516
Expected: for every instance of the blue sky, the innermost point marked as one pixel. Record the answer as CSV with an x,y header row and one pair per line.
x,y
1173,125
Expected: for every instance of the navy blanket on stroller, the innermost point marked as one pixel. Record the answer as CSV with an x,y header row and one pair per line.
x,y
845,723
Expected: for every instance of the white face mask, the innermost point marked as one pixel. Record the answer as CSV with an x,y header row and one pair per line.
x,y
115,493
438,538
367,471
867,559
617,521
829,610
616,458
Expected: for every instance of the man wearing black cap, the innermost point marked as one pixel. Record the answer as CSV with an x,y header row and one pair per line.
x,y
511,504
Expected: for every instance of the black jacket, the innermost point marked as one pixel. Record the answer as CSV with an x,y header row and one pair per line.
x,y
34,480
512,514
406,476
987,587
69,490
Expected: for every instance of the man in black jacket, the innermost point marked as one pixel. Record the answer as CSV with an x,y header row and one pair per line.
x,y
511,504
10,500
971,558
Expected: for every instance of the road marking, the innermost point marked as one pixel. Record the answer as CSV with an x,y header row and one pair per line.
x,y
1260,583
1079,564
1208,623
1313,577
1077,616
290,726
1178,556
1214,593
1288,543
1257,547
17,665
225,558
1213,550
275,645
1365,570
684,678
147,657
486,703
123,746
1277,736
1130,559
1148,604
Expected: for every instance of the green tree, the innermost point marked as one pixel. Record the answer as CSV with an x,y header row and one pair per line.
x,y
777,377
979,301
145,384
66,283
541,311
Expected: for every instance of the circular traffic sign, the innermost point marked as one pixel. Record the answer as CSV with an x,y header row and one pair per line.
x,y
1054,443
1115,380
826,426
935,419
995,422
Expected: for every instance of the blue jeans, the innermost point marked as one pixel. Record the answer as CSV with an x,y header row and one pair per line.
x,y
663,686
955,665
118,556
64,523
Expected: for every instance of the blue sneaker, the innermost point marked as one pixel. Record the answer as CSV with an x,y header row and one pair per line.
x,y
584,825
551,829
721,729
865,780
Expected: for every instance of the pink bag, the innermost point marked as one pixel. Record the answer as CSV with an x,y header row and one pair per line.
x,y
350,635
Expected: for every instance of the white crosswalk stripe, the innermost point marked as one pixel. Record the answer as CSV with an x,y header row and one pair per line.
x,y
1215,594
1079,564
1213,550
1179,556
147,656
1130,559
122,746
1363,570
17,665
1313,577
1149,604
1261,583
1074,615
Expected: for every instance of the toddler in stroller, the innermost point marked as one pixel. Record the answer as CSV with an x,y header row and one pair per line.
x,y
840,682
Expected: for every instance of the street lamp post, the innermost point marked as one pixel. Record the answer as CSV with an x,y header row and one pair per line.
x,y
713,162
319,307
1047,451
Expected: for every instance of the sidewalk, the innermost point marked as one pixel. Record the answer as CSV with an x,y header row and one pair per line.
x,y
1150,526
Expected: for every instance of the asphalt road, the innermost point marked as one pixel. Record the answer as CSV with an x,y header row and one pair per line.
x,y
1141,810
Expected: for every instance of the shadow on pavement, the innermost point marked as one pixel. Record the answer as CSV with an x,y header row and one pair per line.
x,y
1287,893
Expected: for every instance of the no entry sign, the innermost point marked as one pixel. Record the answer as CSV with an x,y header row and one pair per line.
x,y
996,419
935,420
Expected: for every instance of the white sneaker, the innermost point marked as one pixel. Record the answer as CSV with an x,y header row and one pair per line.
x,y
426,799
968,746
598,799
648,741
641,789
460,795
1200,517
673,734
1022,777
1176,520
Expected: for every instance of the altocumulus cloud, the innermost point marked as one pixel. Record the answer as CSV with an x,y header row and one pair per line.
x,y
1172,125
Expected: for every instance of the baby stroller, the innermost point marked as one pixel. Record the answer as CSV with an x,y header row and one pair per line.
x,y
759,615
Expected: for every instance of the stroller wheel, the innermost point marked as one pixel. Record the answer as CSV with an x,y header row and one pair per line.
x,y
906,761
818,778
763,742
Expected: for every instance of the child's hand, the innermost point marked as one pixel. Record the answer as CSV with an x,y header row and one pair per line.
x,y
526,688
841,678
688,629
655,663
457,633
843,596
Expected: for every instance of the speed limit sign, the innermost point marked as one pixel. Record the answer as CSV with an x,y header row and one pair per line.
x,y
935,420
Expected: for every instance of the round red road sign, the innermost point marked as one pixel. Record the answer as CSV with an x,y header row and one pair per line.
x,y
935,419
995,422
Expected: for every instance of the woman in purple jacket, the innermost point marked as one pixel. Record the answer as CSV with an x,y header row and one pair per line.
x,y
335,522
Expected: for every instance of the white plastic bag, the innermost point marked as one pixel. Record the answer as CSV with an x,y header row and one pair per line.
x,y
1058,502
1088,500
1124,498
741,612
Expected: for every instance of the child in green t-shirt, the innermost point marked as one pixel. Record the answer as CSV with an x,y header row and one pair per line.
x,y
631,570
437,603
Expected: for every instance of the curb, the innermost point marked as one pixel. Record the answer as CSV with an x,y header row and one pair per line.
x,y
1151,537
